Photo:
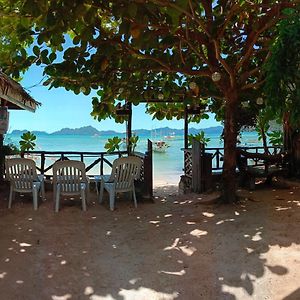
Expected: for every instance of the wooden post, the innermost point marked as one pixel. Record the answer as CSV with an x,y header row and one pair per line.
x,y
186,128
207,171
197,166
129,126
186,132
148,172
101,164
2,157
43,163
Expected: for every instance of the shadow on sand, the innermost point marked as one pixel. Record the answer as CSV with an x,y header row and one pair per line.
x,y
173,249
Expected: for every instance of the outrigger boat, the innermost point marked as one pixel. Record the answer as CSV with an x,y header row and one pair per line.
x,y
160,146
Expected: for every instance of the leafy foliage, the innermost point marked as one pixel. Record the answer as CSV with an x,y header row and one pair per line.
x,y
263,121
27,141
276,137
200,137
283,70
133,143
10,149
147,50
101,45
113,144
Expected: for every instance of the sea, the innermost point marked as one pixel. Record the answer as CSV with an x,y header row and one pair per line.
x,y
167,167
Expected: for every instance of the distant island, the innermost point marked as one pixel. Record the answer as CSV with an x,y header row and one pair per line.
x,y
91,131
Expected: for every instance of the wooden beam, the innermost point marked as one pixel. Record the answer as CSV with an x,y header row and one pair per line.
x,y
129,123
186,128
2,157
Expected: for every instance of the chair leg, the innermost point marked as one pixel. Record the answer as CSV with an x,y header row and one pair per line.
x,y
101,191
57,199
43,191
112,199
83,198
87,191
35,197
134,197
97,182
11,196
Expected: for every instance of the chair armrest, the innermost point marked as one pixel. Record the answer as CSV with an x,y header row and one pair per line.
x,y
99,178
36,184
41,177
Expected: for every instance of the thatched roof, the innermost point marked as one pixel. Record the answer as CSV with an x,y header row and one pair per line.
x,y
14,96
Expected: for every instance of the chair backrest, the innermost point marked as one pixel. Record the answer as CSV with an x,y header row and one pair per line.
x,y
124,171
21,172
69,174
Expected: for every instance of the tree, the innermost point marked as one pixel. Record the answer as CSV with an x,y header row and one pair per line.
x,y
283,83
210,51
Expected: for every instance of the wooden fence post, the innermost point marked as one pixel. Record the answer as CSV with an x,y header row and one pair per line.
x,y
148,172
197,166
43,159
207,171
2,157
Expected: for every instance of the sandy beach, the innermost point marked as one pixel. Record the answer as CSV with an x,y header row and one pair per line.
x,y
174,248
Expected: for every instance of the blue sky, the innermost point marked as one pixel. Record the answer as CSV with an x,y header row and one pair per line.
x,y
61,108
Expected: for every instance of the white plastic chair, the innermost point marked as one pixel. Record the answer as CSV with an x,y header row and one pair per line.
x,y
22,174
124,171
69,179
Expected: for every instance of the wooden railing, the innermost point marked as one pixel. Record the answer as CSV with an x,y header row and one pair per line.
x,y
146,177
218,156
45,160
97,163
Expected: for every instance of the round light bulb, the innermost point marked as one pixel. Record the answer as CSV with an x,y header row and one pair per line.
x,y
216,76
260,101
160,96
193,85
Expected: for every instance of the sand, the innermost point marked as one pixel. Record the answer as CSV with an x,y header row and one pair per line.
x,y
174,248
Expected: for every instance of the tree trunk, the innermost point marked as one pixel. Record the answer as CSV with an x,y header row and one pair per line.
x,y
264,140
230,141
287,132
2,158
291,144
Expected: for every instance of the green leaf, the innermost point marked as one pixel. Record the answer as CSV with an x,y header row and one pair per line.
x,y
27,141
76,40
132,9
36,50
175,15
182,3
52,57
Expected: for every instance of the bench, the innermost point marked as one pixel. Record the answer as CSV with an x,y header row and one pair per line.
x,y
266,166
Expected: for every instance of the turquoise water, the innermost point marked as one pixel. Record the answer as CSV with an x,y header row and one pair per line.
x,y
167,166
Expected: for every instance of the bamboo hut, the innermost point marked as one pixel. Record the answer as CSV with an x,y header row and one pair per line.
x,y
13,96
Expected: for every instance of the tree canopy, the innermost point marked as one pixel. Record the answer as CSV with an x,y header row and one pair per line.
x,y
205,52
282,70
137,50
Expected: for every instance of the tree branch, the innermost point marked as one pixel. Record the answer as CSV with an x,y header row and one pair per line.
x,y
223,63
185,12
254,85
271,18
233,11
201,56
244,76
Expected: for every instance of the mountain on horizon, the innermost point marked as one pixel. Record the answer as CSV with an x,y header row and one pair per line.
x,y
91,131
85,130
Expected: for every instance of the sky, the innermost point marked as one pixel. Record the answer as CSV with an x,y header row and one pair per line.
x,y
61,109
